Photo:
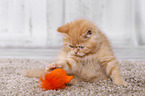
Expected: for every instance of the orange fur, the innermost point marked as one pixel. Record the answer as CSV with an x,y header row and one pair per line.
x,y
86,54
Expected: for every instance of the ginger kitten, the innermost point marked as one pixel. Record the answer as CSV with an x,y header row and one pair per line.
x,y
86,54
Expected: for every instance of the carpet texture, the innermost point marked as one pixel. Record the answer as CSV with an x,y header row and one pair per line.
x,y
13,83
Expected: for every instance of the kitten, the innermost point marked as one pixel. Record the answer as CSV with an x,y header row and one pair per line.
x,y
86,54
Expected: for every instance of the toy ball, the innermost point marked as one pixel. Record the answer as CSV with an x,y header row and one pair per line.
x,y
54,80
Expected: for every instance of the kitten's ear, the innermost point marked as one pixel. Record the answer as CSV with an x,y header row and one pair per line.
x,y
64,28
87,34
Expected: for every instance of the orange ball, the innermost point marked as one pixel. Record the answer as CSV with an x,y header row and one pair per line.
x,y
56,79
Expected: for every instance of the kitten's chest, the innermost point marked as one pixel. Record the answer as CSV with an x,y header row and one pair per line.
x,y
90,68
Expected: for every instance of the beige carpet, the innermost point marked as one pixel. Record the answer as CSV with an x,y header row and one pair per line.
x,y
13,83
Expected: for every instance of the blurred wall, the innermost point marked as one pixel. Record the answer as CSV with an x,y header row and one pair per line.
x,y
140,21
33,23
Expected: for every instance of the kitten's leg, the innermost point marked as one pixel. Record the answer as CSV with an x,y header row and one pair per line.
x,y
51,67
113,71
34,73
69,65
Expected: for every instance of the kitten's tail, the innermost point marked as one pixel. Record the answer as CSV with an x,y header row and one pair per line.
x,y
34,73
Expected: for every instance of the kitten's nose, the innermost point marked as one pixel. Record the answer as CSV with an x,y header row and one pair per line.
x,y
76,51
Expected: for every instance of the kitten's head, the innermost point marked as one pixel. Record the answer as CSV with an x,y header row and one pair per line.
x,y
80,37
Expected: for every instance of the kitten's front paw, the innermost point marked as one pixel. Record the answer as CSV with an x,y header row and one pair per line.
x,y
120,82
51,67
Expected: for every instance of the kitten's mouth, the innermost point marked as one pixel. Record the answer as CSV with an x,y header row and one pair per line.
x,y
80,54
83,54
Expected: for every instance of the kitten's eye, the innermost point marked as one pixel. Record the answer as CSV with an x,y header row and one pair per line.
x,y
82,47
89,32
71,46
